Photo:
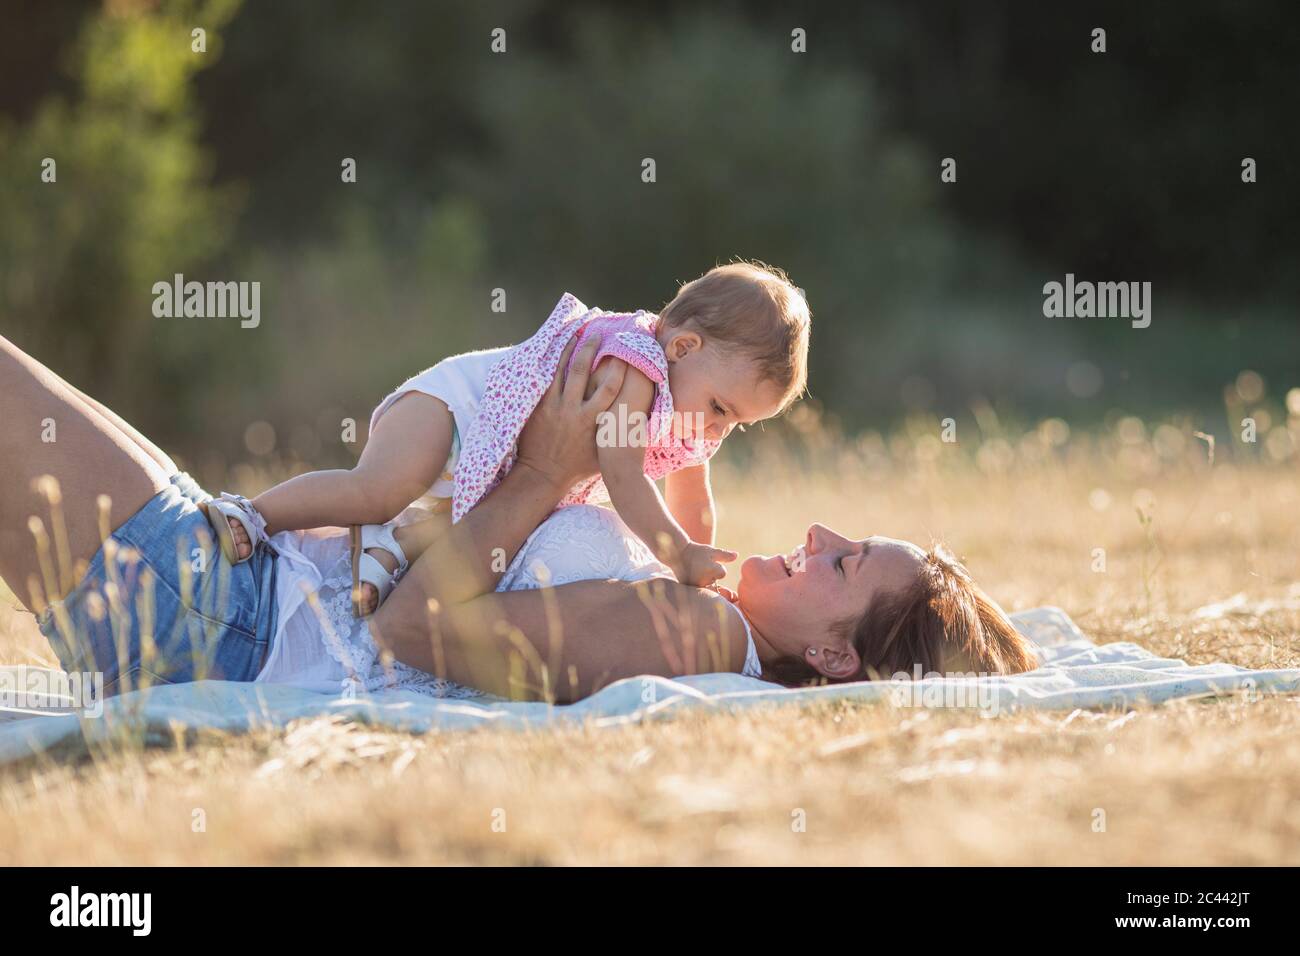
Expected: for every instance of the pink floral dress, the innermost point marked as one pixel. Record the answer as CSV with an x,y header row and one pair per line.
x,y
517,382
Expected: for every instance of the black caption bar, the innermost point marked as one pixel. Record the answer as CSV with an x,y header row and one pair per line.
x,y
333,906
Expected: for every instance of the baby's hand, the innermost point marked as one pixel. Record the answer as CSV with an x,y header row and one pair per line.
x,y
701,565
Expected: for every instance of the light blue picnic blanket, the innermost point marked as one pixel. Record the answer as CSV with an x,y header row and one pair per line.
x,y
1075,673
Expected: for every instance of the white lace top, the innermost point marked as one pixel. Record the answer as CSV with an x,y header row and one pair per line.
x,y
320,646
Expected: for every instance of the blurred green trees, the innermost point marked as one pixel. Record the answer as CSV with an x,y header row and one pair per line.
x,y
131,199
522,171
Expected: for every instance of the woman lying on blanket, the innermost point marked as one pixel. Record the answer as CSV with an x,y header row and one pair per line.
x,y
516,599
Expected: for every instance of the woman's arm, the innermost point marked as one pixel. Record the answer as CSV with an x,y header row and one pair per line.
x,y
562,644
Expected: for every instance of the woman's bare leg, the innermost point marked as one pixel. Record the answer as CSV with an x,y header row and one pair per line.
x,y
160,457
47,429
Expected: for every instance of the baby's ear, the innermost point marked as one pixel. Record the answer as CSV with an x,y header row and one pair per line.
x,y
682,344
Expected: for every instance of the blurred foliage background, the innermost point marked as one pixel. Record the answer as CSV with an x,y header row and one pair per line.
x,y
522,171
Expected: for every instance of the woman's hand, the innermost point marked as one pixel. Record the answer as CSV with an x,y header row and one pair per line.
x,y
559,438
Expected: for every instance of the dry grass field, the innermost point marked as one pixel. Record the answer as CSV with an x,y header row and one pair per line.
x,y
1201,561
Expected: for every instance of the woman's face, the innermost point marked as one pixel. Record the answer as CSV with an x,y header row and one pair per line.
x,y
796,599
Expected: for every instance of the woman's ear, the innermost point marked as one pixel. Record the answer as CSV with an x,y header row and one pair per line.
x,y
682,344
837,663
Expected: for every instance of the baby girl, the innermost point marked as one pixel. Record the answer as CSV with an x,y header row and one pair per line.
x,y
730,349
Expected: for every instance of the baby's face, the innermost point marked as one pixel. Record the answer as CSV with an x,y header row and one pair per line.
x,y
714,392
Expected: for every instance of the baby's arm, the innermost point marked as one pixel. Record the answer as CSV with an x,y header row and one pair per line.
x,y
690,500
403,457
622,465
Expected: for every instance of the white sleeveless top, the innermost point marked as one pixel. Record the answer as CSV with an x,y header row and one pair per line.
x,y
320,646
459,382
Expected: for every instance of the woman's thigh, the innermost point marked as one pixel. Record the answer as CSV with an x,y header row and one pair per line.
x,y
45,429
160,457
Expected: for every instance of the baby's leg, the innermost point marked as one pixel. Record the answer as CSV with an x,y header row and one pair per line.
x,y
402,459
414,539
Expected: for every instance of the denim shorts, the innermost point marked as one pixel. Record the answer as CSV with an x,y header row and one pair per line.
x,y
160,605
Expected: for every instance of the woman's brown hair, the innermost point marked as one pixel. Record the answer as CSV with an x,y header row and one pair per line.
x,y
942,609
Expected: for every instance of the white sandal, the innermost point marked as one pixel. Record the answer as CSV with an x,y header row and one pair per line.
x,y
219,511
366,569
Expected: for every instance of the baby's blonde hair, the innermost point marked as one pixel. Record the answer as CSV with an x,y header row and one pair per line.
x,y
755,309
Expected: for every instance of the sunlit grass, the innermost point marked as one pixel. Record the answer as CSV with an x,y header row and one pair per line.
x,y
1200,562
